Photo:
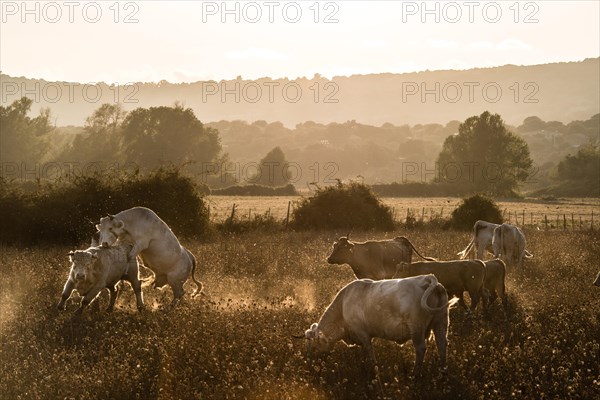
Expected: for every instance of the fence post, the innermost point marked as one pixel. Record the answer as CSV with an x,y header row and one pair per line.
x,y
287,218
423,215
407,214
232,213
592,224
572,221
564,222
546,221
531,220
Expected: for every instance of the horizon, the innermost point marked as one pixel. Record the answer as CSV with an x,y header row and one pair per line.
x,y
311,78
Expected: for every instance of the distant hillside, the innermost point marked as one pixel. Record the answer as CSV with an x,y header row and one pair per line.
x,y
559,91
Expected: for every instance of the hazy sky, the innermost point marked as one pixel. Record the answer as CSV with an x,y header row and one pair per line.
x,y
188,41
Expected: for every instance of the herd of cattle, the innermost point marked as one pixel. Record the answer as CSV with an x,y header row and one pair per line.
x,y
392,298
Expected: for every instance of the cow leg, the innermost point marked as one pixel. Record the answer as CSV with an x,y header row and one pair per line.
x,y
136,285
474,300
66,294
136,249
418,340
113,293
440,330
504,301
87,299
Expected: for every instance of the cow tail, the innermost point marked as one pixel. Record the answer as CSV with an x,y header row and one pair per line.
x,y
463,254
528,254
198,284
436,286
415,250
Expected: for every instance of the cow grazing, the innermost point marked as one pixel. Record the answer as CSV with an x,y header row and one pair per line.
x,y
373,259
495,274
483,232
155,243
597,280
97,268
508,242
457,277
395,309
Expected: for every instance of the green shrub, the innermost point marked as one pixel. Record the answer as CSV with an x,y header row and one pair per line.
x,y
343,206
475,208
64,212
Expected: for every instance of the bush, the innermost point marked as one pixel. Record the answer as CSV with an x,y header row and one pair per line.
x,y
64,212
475,208
343,206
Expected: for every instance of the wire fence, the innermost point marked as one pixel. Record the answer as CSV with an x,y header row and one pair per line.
x,y
561,220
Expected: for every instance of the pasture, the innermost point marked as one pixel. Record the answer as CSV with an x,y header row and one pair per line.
x,y
559,213
236,342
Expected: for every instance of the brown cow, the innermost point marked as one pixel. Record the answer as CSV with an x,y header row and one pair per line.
x,y
495,273
457,277
373,259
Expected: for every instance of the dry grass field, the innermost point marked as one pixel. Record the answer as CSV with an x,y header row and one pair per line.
x,y
574,210
236,342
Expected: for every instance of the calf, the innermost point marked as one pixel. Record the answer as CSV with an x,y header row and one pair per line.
x,y
97,268
457,277
495,274
395,309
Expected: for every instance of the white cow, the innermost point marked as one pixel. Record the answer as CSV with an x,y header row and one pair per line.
x,y
155,243
97,268
508,242
483,232
394,309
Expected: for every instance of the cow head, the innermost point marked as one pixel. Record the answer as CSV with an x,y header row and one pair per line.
x,y
316,341
343,251
597,280
83,264
110,228
402,269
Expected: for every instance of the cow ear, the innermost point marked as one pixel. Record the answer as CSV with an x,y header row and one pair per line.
x,y
98,227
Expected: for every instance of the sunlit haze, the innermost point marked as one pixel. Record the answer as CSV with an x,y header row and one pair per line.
x,y
188,41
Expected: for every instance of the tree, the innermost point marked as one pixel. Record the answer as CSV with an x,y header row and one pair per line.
x,y
106,117
485,157
272,169
100,141
21,137
584,166
162,135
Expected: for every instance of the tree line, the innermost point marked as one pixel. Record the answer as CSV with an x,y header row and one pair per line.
x,y
480,154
